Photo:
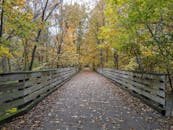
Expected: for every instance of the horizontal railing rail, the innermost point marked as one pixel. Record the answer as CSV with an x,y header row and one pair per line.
x,y
154,89
19,91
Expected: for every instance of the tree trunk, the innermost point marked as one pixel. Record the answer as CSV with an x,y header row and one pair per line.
x,y
9,65
4,65
116,60
101,58
61,38
2,18
32,58
46,54
38,36
107,55
140,68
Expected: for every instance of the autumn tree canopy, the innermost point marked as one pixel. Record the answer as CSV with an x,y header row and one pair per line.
x,y
121,34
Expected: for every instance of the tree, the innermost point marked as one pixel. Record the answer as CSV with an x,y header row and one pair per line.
x,y
43,19
140,30
15,23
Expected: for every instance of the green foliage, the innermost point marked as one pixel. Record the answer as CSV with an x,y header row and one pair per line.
x,y
140,29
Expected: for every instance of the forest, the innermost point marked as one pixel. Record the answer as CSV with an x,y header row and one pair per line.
x,y
134,35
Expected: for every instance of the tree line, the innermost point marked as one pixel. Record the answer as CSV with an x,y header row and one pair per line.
x,y
121,34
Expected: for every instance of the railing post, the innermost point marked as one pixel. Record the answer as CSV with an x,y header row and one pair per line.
x,y
169,98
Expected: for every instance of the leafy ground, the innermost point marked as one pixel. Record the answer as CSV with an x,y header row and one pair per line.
x,y
90,102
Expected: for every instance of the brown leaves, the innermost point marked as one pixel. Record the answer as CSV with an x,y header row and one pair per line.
x,y
94,102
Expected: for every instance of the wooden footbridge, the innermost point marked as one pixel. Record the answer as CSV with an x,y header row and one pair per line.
x,y
86,93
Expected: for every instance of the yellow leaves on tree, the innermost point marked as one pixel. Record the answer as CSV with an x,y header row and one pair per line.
x,y
18,2
4,52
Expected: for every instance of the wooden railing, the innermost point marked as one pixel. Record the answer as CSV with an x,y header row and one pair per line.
x,y
154,89
21,90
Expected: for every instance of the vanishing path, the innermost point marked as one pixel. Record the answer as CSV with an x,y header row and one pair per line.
x,y
89,102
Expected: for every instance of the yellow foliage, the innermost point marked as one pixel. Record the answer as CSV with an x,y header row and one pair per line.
x,y
21,2
146,51
4,51
29,16
12,110
132,64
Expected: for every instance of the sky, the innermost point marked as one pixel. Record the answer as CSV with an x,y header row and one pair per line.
x,y
80,1
90,3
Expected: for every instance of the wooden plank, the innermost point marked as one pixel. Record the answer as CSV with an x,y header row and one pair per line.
x,y
25,75
154,105
14,77
61,73
133,72
41,91
27,98
150,96
30,105
7,78
149,83
63,70
7,87
38,89
18,85
37,93
154,90
148,77
152,86
137,75
21,93
32,89
139,91
130,87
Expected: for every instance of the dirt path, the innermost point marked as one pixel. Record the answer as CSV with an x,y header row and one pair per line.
x,y
90,102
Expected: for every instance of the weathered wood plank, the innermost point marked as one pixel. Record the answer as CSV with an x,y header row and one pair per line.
x,y
30,105
14,77
12,86
47,81
29,97
34,87
143,84
18,85
21,93
139,91
152,89
133,72
150,83
25,75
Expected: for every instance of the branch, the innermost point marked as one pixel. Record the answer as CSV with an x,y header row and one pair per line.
x,y
44,10
52,11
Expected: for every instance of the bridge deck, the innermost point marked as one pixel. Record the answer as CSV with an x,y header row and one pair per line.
x,y
90,102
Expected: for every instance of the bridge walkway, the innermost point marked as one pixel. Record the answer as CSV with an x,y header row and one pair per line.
x,y
90,102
